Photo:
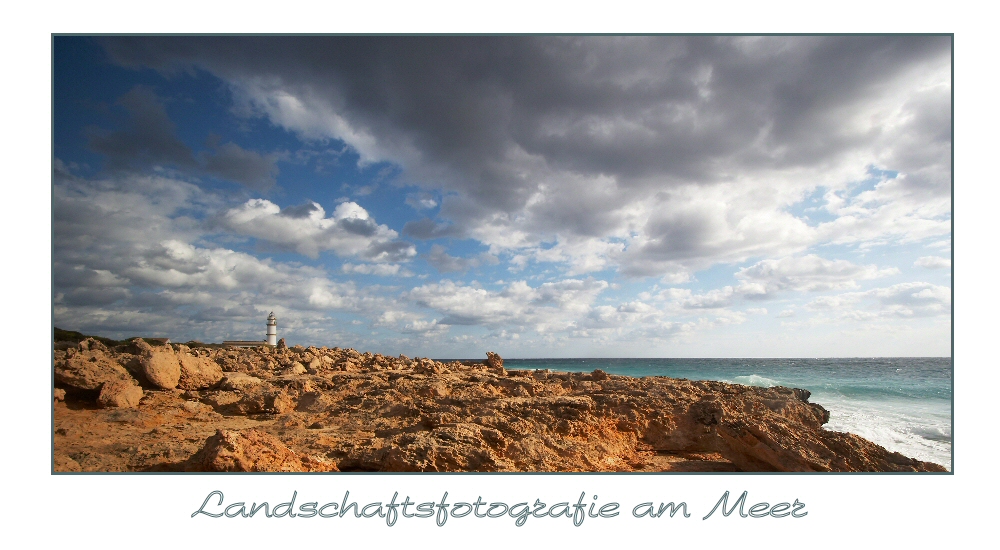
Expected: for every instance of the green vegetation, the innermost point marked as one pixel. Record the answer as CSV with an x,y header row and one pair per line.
x,y
60,335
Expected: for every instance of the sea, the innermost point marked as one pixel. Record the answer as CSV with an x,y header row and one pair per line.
x,y
901,403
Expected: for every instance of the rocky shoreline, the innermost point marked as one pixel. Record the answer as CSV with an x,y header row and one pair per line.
x,y
139,407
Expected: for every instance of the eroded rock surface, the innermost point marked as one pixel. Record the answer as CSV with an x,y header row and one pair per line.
x,y
252,450
323,409
87,367
120,393
160,365
198,372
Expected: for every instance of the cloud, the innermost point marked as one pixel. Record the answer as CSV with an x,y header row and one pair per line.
x,y
913,299
446,263
659,156
906,300
348,232
810,273
128,258
382,270
426,228
149,138
765,279
232,162
932,262
421,201
549,307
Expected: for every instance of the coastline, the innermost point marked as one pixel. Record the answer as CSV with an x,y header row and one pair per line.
x,y
136,407
901,403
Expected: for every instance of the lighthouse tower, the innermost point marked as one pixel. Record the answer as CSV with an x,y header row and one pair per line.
x,y
272,330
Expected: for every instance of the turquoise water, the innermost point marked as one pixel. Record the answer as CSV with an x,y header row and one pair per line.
x,y
901,403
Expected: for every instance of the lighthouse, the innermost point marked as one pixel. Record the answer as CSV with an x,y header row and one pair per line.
x,y
272,330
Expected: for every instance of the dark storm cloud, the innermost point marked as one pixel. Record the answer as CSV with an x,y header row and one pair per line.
x,y
426,228
300,211
576,135
466,99
148,137
232,162
357,226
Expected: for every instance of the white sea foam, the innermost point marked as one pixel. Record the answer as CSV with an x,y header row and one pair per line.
x,y
925,437
755,380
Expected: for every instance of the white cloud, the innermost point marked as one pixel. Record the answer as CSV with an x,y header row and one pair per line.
x,y
906,300
382,270
421,201
127,256
810,273
932,262
549,307
348,232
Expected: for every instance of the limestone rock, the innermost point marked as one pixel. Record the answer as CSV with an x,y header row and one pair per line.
x,y
428,366
494,364
88,368
63,463
369,412
120,393
198,373
238,381
159,365
263,400
91,344
598,375
295,368
281,344
252,451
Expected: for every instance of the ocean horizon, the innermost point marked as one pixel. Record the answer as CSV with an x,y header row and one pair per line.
x,y
901,403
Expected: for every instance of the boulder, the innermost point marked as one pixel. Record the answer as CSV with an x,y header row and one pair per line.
x,y
282,345
252,451
264,400
494,364
159,365
295,368
90,344
428,366
238,381
88,369
198,373
59,394
120,393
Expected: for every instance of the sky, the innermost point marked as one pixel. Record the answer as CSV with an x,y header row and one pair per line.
x,y
537,196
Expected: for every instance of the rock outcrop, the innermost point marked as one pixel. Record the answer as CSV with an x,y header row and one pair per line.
x,y
252,451
120,393
160,365
87,367
197,372
329,409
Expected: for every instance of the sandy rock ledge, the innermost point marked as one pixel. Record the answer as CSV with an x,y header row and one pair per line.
x,y
137,407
